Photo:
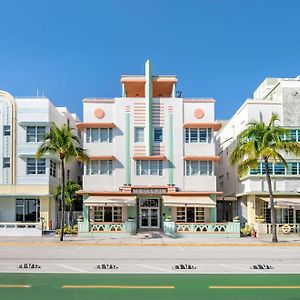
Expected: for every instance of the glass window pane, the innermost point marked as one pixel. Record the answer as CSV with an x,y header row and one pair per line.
x,y
209,135
144,167
160,167
202,135
41,166
103,167
104,135
94,135
153,167
94,167
138,167
117,214
203,167
6,162
194,168
110,133
187,167
139,135
41,131
180,214
31,166
88,135
279,169
193,135
187,135
158,134
292,168
6,130
293,135
30,135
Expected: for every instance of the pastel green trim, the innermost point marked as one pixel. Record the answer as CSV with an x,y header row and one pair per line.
x,y
148,99
127,150
170,149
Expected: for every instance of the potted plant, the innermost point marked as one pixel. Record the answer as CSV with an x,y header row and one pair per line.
x,y
246,230
236,219
260,219
168,218
131,219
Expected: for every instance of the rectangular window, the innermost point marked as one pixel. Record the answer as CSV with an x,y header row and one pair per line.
x,y
139,134
99,135
52,168
36,166
158,135
99,167
35,134
190,214
27,210
6,162
149,167
198,135
293,135
263,170
108,214
292,168
6,130
279,169
196,167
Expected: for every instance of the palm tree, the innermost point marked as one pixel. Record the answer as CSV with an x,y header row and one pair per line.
x,y
64,144
70,193
263,142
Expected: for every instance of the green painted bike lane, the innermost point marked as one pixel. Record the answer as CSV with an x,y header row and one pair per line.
x,y
142,286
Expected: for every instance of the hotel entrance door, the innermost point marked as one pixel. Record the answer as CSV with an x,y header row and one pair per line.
x,y
149,212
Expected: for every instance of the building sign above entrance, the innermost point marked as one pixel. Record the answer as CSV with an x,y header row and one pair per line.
x,y
149,191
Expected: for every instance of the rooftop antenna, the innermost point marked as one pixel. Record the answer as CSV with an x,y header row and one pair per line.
x,y
37,92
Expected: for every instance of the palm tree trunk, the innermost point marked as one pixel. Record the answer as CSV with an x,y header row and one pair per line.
x,y
62,223
273,212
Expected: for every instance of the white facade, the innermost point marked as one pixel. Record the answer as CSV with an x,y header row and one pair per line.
x,y
24,182
274,95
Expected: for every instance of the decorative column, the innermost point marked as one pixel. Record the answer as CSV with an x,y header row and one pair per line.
x,y
127,147
148,99
170,146
213,210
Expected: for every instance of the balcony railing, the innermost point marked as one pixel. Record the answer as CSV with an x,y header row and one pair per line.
x,y
206,227
107,227
20,229
284,228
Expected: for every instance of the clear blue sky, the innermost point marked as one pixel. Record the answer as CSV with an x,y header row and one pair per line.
x,y
79,48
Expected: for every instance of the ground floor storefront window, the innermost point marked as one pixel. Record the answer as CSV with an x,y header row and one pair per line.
x,y
27,210
190,214
108,214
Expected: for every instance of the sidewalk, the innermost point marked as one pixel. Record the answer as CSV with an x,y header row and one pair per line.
x,y
284,240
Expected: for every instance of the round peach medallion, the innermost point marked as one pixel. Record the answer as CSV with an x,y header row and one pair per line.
x,y
99,113
199,113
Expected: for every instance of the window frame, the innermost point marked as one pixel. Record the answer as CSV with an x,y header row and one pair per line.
x,y
36,136
146,168
137,135
39,166
182,214
116,214
198,167
93,167
198,135
161,135
96,135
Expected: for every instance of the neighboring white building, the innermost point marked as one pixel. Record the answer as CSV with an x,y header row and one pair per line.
x,y
274,95
27,185
152,158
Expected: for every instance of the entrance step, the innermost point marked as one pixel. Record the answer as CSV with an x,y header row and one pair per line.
x,y
150,234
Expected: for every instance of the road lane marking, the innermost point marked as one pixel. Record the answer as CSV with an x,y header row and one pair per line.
x,y
71,268
256,287
14,286
152,268
118,287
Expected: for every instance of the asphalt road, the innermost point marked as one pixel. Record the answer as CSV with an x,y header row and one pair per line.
x,y
149,259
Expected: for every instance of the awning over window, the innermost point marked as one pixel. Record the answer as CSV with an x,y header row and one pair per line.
x,y
110,200
196,201
284,202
